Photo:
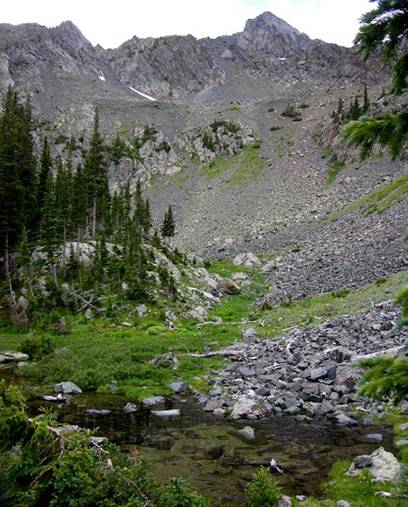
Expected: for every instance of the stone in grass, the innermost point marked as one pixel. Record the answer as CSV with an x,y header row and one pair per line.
x,y
153,400
285,501
343,503
401,443
178,387
383,466
403,427
175,412
67,388
248,433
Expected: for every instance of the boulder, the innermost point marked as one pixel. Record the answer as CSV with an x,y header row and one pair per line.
x,y
248,433
383,466
248,260
175,412
248,407
141,311
130,408
179,387
199,313
11,357
249,334
67,388
153,401
229,287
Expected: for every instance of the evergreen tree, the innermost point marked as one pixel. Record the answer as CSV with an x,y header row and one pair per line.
x,y
98,198
45,168
27,163
384,28
12,189
366,104
78,201
147,218
139,214
50,239
168,227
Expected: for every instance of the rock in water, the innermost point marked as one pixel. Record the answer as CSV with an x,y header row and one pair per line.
x,y
153,401
67,388
130,408
93,412
248,433
167,413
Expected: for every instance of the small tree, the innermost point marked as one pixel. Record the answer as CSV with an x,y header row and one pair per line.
x,y
263,491
168,228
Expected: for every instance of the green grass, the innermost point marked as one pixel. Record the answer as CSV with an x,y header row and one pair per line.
x,y
237,169
377,201
334,170
233,107
97,354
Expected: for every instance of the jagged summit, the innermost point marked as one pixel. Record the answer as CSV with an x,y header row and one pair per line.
x,y
268,21
69,33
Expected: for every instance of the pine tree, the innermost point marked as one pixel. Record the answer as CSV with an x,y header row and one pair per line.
x,y
139,214
97,180
366,104
79,201
44,170
147,218
168,227
12,189
384,28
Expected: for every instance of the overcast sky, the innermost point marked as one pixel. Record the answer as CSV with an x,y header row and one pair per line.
x,y
110,23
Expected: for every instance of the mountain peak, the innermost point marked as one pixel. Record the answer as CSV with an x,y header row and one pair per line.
x,y
71,33
271,34
268,21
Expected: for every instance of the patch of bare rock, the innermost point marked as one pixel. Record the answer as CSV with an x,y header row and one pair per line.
x,y
311,372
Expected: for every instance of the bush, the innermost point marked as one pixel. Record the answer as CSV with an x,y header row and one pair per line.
x,y
263,490
37,346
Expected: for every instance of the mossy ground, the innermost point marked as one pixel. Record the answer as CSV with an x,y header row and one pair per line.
x,y
238,169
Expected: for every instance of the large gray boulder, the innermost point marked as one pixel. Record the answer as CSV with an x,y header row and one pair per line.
x,y
67,388
250,408
383,466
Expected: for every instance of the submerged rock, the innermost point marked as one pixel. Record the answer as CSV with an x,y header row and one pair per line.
x,y
93,412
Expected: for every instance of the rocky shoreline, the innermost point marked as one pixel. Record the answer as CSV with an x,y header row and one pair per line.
x,y
306,373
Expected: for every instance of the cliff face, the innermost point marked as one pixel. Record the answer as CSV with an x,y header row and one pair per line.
x,y
63,65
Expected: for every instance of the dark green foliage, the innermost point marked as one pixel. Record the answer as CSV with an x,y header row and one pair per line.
x,y
388,377
118,149
389,131
384,28
17,175
208,141
263,491
164,146
168,228
228,126
67,470
289,112
37,347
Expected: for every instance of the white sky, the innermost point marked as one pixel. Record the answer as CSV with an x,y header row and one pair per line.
x,y
110,23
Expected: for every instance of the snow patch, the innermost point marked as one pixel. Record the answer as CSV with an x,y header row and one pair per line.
x,y
102,78
143,94
282,59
